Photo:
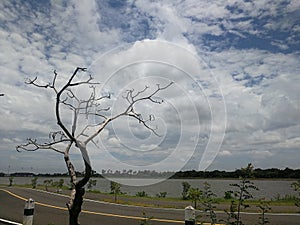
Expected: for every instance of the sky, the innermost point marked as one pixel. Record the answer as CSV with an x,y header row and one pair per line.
x,y
234,65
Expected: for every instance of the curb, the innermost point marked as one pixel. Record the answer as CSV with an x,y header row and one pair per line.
x,y
9,222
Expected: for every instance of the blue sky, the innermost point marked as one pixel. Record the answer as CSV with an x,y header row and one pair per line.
x,y
235,67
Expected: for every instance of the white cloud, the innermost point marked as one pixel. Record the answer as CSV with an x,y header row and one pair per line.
x,y
260,88
225,153
293,5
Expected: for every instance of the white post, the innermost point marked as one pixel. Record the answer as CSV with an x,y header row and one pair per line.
x,y
189,216
28,212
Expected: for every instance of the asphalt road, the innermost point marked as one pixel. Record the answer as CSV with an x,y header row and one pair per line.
x,y
50,209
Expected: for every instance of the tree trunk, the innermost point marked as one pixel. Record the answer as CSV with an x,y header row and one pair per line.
x,y
76,197
76,207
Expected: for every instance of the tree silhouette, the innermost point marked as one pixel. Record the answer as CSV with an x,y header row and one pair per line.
x,y
74,136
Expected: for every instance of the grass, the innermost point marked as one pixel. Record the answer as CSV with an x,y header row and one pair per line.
x,y
171,202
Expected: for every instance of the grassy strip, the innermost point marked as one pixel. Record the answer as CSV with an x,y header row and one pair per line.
x,y
170,202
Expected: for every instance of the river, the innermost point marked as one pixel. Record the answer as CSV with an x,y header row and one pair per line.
x,y
268,189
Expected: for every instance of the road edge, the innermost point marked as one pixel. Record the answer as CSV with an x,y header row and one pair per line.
x,y
9,222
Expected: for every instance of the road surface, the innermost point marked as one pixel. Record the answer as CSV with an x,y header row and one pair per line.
x,y
51,209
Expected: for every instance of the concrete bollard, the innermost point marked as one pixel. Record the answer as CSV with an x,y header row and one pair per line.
x,y
28,212
189,216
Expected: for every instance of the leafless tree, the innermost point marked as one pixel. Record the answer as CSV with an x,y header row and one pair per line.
x,y
72,135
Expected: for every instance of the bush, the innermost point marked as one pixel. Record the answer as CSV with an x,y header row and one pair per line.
x,y
34,182
11,180
141,194
185,190
162,194
228,195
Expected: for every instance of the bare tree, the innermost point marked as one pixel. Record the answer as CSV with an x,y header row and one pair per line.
x,y
73,136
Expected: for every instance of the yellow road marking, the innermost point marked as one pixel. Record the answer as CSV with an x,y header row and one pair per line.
x,y
99,213
37,203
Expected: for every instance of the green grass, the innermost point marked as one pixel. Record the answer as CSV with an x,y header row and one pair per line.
x,y
167,201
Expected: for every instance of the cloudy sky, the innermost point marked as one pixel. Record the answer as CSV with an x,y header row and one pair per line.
x,y
234,64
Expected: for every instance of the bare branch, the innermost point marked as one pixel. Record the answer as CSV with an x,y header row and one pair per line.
x,y
66,103
57,135
144,122
33,82
57,108
140,92
66,99
132,99
88,81
33,145
54,80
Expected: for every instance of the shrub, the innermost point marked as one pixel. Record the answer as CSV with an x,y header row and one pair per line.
x,y
34,182
228,195
11,180
141,194
195,195
162,194
185,190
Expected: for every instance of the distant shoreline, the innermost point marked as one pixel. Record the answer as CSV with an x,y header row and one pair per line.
x,y
258,173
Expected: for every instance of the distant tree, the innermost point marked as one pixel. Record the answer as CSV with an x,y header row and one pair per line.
x,y
242,191
58,184
228,195
11,180
115,189
68,103
195,195
296,187
141,194
48,183
185,190
231,218
162,194
92,183
264,207
34,182
207,201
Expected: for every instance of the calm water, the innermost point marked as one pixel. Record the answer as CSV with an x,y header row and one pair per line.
x,y
267,188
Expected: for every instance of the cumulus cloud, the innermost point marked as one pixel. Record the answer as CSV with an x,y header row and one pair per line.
x,y
244,51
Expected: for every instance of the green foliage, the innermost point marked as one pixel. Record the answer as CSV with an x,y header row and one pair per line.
x,y
231,218
47,183
241,194
264,207
285,198
185,190
58,184
11,181
296,187
141,194
115,189
34,182
228,195
195,195
257,173
207,201
92,183
162,194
